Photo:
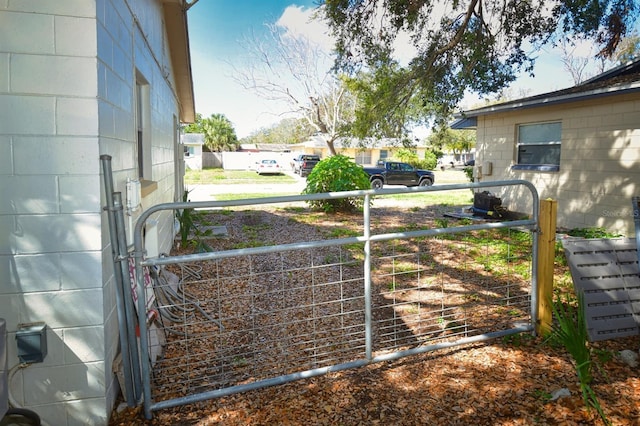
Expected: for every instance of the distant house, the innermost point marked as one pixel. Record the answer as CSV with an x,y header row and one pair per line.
x,y
192,143
80,79
272,147
248,147
580,146
367,153
263,147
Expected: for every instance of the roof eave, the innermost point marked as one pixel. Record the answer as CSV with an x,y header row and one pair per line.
x,y
175,17
552,100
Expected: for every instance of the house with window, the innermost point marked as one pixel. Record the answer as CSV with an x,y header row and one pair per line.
x,y
192,147
579,146
79,79
368,152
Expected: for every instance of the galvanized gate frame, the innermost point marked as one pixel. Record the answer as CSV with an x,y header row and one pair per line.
x,y
366,238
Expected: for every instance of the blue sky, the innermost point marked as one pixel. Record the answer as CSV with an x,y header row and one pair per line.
x,y
216,28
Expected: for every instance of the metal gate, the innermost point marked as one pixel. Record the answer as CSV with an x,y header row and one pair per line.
x,y
241,318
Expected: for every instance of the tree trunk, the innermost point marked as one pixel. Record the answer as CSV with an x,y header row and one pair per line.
x,y
332,148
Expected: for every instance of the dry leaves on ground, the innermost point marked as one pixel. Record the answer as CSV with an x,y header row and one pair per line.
x,y
494,384
503,382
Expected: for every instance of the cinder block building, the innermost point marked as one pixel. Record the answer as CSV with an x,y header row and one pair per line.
x,y
78,79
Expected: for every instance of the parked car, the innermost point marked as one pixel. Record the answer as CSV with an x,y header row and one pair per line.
x,y
396,173
304,163
470,163
267,166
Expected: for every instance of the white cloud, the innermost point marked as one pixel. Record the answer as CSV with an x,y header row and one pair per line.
x,y
298,20
218,92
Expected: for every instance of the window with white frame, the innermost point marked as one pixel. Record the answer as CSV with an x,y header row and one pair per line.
x,y
143,127
538,146
363,157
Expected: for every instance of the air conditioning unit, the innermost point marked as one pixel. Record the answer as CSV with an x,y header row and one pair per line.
x,y
4,380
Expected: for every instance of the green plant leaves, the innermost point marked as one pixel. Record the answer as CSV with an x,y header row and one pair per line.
x,y
336,174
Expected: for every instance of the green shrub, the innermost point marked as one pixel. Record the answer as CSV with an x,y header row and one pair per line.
x,y
406,155
185,218
592,233
409,156
430,161
335,174
468,171
570,330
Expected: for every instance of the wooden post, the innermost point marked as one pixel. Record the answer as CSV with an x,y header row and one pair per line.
x,y
546,256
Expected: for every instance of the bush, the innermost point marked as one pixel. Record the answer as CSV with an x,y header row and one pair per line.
x,y
468,171
592,233
430,161
408,156
335,174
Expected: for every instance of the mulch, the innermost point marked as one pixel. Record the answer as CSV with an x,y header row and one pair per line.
x,y
503,383
506,381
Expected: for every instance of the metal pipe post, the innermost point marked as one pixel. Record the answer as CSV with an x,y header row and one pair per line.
x,y
129,308
368,338
120,296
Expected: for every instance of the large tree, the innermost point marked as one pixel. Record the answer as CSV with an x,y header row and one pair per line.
x,y
476,45
295,71
286,131
583,65
456,141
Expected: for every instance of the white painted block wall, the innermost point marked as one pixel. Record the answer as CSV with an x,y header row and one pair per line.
x,y
67,73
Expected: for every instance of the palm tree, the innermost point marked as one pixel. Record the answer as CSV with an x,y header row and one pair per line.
x,y
219,134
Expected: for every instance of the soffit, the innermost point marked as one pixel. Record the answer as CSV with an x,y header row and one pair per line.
x,y
175,17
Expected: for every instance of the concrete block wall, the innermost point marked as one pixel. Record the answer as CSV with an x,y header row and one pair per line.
x,y
599,161
67,78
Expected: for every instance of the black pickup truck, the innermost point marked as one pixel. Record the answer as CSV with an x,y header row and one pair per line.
x,y
396,173
304,163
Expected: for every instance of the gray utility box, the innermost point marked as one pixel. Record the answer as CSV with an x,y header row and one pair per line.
x,y
32,342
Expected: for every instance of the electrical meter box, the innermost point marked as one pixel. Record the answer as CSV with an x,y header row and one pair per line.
x,y
32,342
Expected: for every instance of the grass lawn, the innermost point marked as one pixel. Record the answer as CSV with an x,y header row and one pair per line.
x,y
243,195
210,176
230,177
449,198
446,198
237,177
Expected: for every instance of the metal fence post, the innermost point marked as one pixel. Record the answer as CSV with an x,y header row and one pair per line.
x,y
128,345
546,256
367,279
635,203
